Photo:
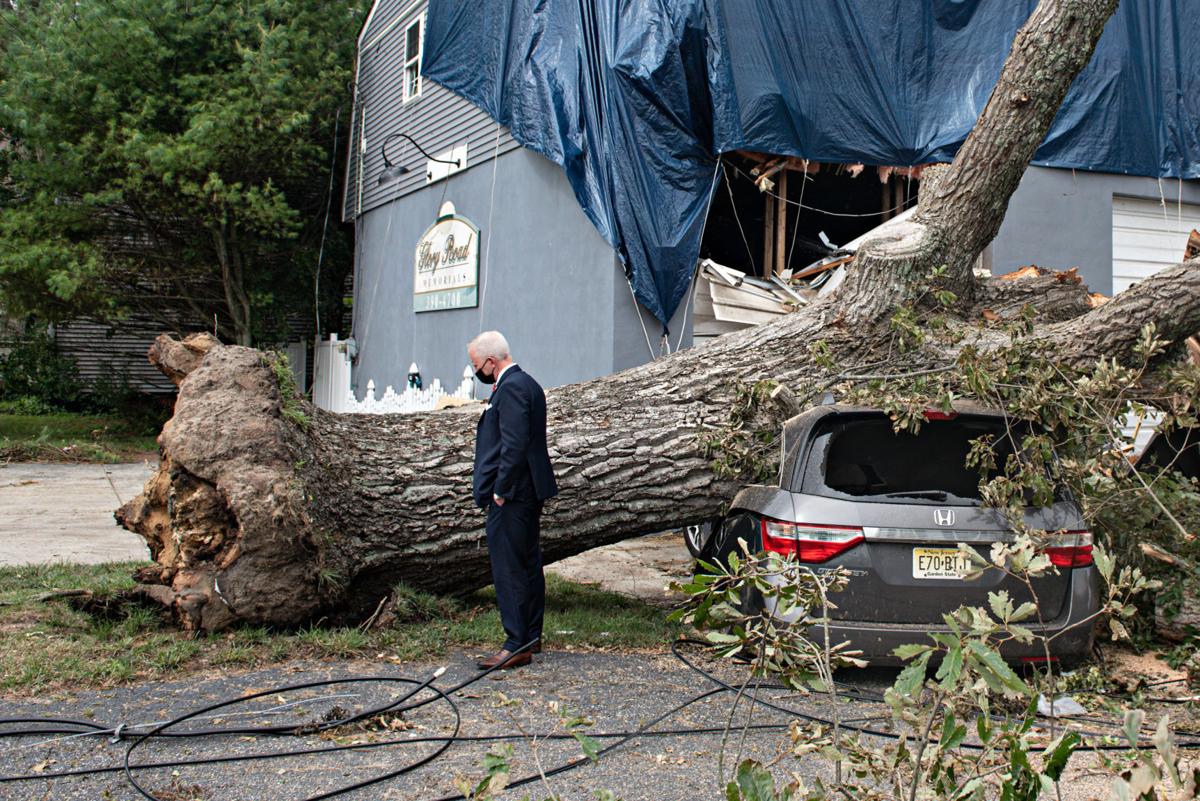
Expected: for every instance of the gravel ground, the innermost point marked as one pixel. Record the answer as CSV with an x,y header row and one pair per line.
x,y
618,691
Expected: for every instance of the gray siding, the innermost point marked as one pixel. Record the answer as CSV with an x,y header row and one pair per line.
x,y
1059,219
554,286
102,352
384,12
438,119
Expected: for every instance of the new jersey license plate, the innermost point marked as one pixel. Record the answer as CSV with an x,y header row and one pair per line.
x,y
939,563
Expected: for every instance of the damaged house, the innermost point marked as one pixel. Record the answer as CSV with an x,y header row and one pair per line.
x,y
607,183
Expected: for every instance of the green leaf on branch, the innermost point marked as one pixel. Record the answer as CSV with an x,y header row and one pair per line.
x,y
1060,753
908,683
909,650
998,675
951,668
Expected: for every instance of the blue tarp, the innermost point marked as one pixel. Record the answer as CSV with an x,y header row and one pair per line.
x,y
634,98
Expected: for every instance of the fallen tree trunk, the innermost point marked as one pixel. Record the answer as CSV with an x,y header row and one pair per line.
x,y
270,511
258,517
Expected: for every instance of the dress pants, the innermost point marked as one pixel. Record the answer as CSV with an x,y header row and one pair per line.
x,y
514,545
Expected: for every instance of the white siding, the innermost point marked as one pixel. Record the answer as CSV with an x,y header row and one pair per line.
x,y
1148,237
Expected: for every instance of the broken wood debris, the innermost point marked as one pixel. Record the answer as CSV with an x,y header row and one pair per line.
x,y
728,300
828,263
1028,271
1069,276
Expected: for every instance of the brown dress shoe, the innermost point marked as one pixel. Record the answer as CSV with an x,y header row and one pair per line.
x,y
537,647
505,660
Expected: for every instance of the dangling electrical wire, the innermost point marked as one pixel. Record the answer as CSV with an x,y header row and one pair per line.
x,y
637,310
691,293
796,229
486,267
337,119
712,189
737,217
392,211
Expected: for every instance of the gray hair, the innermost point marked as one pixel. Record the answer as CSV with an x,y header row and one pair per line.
x,y
490,344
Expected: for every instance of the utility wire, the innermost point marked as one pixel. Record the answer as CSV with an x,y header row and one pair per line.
x,y
712,191
737,217
337,119
894,209
486,267
410,701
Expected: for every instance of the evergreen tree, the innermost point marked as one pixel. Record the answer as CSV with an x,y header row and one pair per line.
x,y
174,154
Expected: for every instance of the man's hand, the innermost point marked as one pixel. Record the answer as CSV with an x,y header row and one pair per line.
x,y
496,499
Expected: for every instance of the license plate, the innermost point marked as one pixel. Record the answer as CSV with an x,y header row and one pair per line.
x,y
939,563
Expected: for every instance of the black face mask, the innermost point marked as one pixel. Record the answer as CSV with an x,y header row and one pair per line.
x,y
486,379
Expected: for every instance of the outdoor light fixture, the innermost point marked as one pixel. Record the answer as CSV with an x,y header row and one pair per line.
x,y
393,171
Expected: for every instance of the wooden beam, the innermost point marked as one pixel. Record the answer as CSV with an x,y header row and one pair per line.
x,y
753,156
781,225
804,165
763,181
769,168
768,233
822,267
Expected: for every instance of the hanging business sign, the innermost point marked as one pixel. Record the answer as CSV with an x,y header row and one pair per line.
x,y
447,264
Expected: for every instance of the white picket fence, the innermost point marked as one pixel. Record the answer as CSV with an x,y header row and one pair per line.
x,y
332,390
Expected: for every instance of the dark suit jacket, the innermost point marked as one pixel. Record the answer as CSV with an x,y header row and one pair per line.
x,y
511,459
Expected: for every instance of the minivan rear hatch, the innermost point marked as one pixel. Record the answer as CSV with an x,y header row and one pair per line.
x,y
916,499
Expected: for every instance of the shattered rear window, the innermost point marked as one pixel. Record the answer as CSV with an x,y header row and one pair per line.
x,y
863,457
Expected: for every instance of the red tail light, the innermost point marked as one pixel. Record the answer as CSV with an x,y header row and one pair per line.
x,y
808,543
938,414
1039,660
1070,549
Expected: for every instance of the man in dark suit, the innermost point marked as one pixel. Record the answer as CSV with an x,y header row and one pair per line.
x,y
513,478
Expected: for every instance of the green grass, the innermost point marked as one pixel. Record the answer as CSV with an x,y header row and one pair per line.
x,y
576,615
70,437
48,646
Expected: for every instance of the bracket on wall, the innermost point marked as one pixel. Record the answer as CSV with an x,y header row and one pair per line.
x,y
446,164
392,172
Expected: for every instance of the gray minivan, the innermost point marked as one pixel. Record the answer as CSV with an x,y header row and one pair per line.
x,y
891,509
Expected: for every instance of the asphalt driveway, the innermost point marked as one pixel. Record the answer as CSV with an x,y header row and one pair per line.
x,y
619,692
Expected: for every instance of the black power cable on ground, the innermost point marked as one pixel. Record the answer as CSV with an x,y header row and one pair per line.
x,y
399,706
427,684
1192,742
407,703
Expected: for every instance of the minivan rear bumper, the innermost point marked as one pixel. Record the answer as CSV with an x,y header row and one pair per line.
x,y
1072,637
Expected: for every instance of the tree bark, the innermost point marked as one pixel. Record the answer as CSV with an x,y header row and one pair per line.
x,y
236,300
270,511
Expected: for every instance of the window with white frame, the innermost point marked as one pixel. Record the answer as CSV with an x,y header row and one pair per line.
x,y
412,58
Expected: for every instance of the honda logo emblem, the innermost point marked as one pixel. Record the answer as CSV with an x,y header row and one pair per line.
x,y
943,517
